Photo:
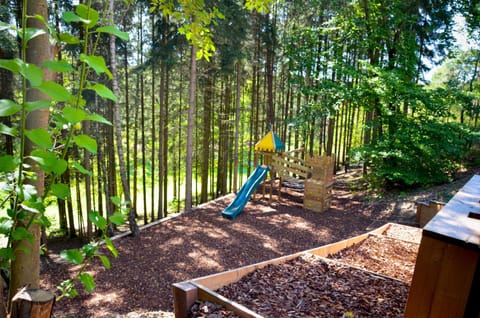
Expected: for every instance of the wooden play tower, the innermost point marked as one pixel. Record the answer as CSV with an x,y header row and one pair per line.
x,y
315,173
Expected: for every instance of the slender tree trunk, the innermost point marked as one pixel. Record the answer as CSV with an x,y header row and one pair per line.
x,y
118,128
190,128
88,181
153,132
165,140
127,106
270,55
207,114
237,129
161,139
25,267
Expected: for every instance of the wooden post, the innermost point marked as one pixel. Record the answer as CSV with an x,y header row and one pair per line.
x,y
184,294
447,271
32,303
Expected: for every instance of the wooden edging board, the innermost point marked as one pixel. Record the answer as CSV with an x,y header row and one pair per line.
x,y
186,293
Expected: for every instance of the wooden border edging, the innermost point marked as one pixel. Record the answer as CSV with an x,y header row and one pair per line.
x,y
202,288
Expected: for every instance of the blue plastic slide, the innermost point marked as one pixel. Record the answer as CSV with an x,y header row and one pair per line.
x,y
245,192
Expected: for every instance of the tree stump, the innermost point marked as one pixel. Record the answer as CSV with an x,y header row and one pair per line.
x,y
32,303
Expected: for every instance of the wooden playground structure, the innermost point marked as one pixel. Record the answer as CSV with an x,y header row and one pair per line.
x,y
314,173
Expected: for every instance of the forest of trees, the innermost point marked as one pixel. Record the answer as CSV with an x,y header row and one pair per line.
x,y
343,78
157,105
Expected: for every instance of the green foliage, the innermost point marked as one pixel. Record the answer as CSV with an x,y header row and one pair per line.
x,y
194,18
89,252
422,152
21,201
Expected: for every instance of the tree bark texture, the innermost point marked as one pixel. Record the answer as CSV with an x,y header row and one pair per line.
x,y
190,128
118,133
25,267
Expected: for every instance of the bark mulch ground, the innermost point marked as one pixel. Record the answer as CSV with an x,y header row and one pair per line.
x,y
202,242
368,279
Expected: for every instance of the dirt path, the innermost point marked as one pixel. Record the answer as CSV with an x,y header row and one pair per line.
x,y
203,242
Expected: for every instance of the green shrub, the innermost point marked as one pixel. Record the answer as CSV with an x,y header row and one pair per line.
x,y
420,152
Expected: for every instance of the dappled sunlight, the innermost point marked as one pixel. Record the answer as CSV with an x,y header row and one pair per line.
x,y
112,297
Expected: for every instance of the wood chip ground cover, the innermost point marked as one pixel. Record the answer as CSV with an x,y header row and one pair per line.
x,y
310,287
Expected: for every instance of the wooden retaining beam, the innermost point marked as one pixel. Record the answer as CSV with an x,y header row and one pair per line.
x,y
426,211
186,293
446,280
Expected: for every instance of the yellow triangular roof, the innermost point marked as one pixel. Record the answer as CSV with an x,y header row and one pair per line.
x,y
270,143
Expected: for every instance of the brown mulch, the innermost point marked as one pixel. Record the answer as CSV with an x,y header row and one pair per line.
x,y
202,242
310,286
382,255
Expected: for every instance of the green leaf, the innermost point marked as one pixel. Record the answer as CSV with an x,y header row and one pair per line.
x,y
31,33
7,163
104,91
87,281
7,253
12,65
117,218
74,115
58,66
72,256
33,206
43,221
5,130
97,219
8,107
87,142
5,225
111,29
61,191
97,63
32,73
55,91
98,118
111,248
40,137
60,167
37,104
70,17
88,13
105,261
79,167
89,250
21,233
48,161
67,288
116,201
68,38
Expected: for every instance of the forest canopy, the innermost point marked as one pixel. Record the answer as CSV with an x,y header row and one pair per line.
x,y
177,93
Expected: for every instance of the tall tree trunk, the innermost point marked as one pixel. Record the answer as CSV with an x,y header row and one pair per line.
x,y
161,139
270,55
190,128
207,114
153,132
237,129
88,181
118,129
165,140
127,105
25,267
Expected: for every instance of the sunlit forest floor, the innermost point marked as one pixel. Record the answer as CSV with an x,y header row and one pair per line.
x,y
202,242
